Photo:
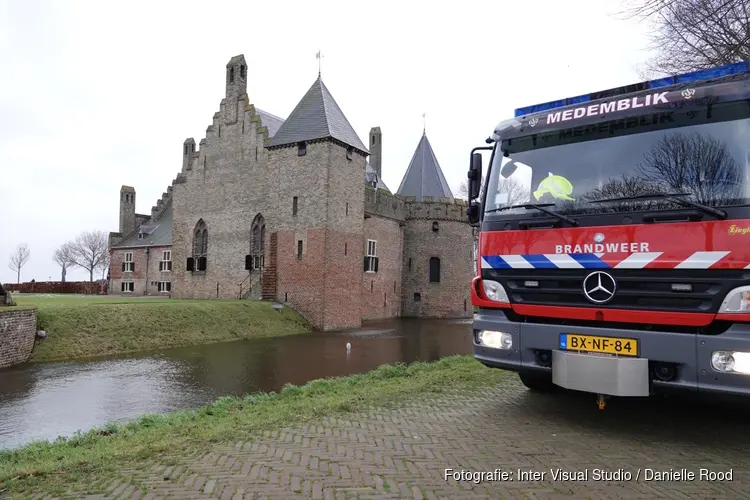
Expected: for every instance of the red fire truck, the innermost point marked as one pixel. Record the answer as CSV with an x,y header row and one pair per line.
x,y
614,239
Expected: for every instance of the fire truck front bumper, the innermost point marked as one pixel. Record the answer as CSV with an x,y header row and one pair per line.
x,y
616,362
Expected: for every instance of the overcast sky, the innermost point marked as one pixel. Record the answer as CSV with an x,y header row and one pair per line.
x,y
94,96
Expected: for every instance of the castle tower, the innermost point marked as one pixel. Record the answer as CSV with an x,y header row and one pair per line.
x,y
376,151
438,242
127,210
319,227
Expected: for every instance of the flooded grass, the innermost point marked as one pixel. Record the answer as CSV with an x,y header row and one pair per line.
x,y
85,326
100,453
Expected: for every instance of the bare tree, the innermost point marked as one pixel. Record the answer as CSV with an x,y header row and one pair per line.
x,y
104,265
513,192
18,259
89,251
622,187
689,35
698,164
64,258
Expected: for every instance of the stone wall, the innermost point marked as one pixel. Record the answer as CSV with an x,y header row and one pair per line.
x,y
17,334
437,229
381,290
225,185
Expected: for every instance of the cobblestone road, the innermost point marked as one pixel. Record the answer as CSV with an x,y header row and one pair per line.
x,y
403,453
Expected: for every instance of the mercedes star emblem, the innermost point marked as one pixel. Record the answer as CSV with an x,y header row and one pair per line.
x,y
598,238
599,287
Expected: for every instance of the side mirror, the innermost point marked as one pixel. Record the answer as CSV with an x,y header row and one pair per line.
x,y
473,212
475,176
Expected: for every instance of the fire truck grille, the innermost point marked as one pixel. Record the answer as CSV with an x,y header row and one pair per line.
x,y
655,290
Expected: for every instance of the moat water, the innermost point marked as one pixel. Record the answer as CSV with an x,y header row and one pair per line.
x,y
44,401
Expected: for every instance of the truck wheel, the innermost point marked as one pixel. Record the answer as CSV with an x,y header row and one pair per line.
x,y
537,382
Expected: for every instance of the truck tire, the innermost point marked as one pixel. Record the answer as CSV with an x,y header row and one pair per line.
x,y
538,382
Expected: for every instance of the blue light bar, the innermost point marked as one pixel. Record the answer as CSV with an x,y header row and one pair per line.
x,y
704,74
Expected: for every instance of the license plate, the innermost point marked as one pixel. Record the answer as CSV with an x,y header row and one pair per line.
x,y
603,345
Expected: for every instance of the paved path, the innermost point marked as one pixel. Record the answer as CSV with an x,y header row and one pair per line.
x,y
403,453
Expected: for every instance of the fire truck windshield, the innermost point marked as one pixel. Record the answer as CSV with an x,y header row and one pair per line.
x,y
704,151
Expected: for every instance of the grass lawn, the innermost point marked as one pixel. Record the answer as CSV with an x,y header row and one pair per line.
x,y
93,325
100,453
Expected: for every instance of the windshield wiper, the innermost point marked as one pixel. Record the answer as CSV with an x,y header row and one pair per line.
x,y
671,197
541,208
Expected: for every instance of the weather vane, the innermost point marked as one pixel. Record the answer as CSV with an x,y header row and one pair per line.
x,y
319,57
424,123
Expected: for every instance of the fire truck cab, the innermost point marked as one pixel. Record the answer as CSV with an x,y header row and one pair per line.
x,y
614,239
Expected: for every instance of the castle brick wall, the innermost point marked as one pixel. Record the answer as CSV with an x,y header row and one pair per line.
x,y
226,188
381,291
17,334
146,272
452,244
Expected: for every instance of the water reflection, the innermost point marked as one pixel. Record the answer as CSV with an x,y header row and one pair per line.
x,y
44,401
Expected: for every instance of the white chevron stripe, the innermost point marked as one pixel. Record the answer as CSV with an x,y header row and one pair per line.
x,y
517,262
563,261
638,260
701,260
747,267
485,264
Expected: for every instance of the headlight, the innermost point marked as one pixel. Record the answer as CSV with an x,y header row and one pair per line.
x,y
731,362
495,340
736,301
494,291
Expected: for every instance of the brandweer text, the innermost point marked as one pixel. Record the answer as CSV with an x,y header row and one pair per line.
x,y
608,107
603,248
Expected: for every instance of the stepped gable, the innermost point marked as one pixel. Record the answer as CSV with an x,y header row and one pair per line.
x,y
317,116
424,177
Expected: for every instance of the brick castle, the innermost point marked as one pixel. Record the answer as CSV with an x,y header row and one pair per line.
x,y
293,211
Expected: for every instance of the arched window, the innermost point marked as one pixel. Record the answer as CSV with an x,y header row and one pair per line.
x,y
434,270
200,247
258,233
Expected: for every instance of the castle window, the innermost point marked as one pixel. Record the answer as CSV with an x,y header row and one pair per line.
x,y
243,71
347,209
301,149
166,261
373,140
164,286
434,270
128,266
199,260
349,153
231,75
192,148
127,287
256,245
185,150
299,249
435,226
417,297
294,206
371,257
409,263
394,287
344,248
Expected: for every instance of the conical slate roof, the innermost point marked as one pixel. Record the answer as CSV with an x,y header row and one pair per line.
x,y
317,116
372,178
424,176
